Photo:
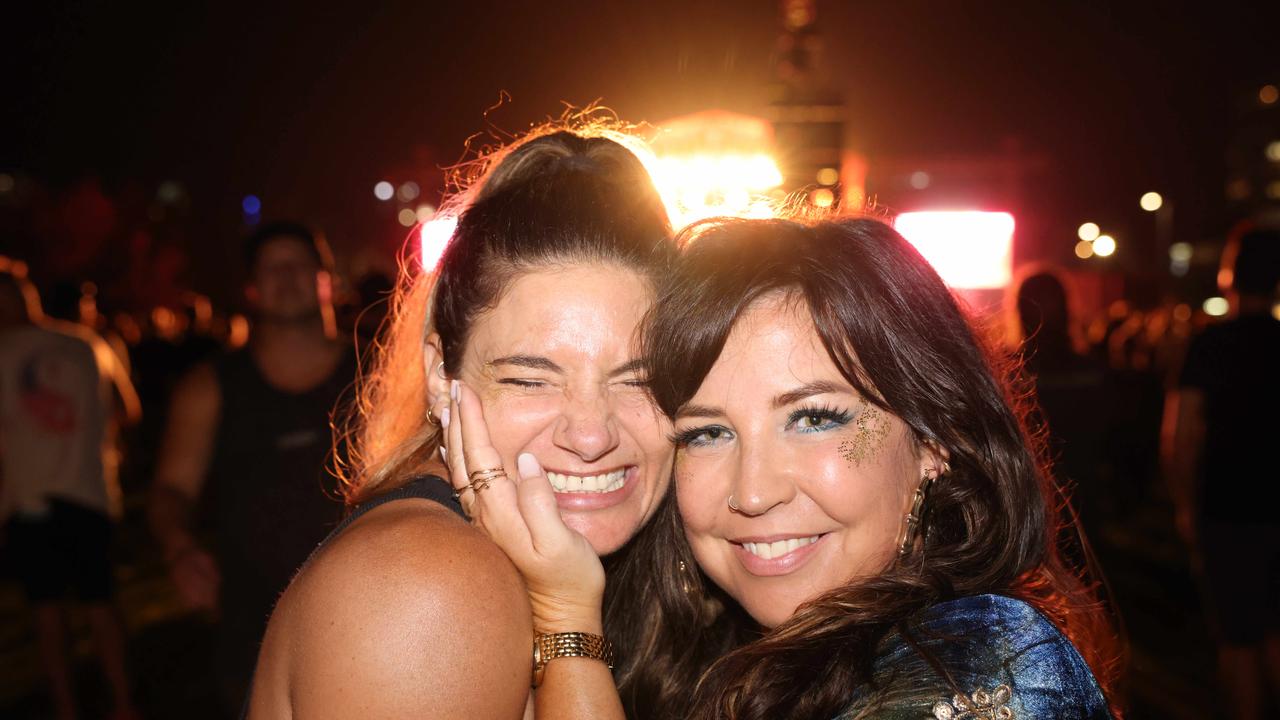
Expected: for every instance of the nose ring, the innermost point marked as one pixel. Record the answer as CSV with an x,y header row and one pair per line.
x,y
732,505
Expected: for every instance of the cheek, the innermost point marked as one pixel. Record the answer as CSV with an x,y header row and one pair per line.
x,y
514,422
699,495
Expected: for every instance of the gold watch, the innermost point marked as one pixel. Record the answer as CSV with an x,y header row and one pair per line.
x,y
569,644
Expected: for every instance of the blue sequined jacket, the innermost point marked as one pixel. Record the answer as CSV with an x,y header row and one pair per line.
x,y
1007,660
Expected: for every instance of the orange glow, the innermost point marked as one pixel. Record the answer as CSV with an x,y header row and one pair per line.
x,y
1268,94
823,197
432,238
1084,249
715,163
970,249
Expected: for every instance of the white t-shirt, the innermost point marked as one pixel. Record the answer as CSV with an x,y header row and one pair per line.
x,y
55,413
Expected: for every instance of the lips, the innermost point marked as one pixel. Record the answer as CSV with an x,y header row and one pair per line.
x,y
770,556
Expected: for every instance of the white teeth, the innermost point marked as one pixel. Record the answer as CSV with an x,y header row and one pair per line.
x,y
769,551
607,482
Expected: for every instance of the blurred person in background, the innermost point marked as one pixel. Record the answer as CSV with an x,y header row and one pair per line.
x,y
246,446
1070,389
1220,423
58,493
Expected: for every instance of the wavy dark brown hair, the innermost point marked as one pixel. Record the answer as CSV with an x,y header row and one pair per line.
x,y
994,524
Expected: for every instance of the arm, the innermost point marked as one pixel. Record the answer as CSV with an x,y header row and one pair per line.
x,y
407,614
1181,441
185,454
562,573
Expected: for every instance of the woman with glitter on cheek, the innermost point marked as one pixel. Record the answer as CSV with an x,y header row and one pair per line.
x,y
863,526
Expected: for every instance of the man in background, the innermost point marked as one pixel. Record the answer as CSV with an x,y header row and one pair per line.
x,y
58,490
1218,448
247,440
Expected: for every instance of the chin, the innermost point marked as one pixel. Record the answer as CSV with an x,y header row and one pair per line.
x,y
605,537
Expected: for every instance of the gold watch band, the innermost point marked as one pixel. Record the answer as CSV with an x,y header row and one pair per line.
x,y
569,644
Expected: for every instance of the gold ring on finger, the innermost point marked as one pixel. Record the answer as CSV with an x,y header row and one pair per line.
x,y
476,487
486,475
457,492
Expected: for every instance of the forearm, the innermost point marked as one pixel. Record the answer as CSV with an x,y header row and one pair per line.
x,y
169,515
576,688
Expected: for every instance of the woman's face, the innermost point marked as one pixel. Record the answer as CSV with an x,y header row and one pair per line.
x,y
555,369
822,479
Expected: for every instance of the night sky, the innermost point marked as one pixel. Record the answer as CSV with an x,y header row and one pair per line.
x,y
307,105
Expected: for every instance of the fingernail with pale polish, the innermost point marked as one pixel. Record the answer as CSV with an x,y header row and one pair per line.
x,y
528,465
453,390
444,454
444,419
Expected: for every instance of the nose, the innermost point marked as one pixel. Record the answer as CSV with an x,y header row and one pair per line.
x,y
587,426
763,480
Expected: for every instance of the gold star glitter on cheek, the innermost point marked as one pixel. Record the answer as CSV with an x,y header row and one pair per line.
x,y
869,433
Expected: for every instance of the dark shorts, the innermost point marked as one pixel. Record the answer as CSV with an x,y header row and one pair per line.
x,y
1242,580
64,554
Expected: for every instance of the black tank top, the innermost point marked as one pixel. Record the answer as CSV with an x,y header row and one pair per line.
x,y
426,487
271,498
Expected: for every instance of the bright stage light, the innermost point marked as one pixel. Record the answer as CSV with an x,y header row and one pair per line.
x,y
1104,245
433,236
970,249
1151,201
705,185
1088,232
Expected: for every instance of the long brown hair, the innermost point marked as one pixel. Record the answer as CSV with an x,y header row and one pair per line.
x,y
993,524
572,191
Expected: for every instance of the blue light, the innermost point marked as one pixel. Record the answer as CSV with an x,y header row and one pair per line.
x,y
251,204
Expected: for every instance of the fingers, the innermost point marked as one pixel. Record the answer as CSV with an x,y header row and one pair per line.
x,y
492,499
537,504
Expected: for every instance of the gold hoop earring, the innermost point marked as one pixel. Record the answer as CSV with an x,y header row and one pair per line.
x,y
440,370
431,418
911,528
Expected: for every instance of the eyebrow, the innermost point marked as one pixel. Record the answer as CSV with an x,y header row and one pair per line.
x,y
533,362
818,387
627,368
537,362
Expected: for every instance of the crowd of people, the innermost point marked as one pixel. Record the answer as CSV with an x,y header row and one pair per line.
x,y
796,482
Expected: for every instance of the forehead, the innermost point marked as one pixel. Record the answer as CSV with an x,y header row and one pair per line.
x,y
572,309
284,249
772,344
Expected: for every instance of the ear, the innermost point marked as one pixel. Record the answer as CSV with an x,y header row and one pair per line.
x,y
934,459
433,369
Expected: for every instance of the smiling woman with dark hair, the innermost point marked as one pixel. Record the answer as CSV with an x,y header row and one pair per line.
x,y
862,527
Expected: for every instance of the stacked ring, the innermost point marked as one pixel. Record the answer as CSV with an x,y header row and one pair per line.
x,y
479,479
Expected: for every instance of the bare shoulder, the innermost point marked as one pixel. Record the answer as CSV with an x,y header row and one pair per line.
x,y
410,612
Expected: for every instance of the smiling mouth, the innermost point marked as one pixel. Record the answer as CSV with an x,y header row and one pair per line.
x,y
602,483
778,548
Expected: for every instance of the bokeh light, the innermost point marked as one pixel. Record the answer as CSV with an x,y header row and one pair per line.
x,y
1273,151
1088,232
823,198
1181,252
828,176
1084,249
920,180
384,190
970,249
251,205
1216,306
1104,245
425,212
407,217
1268,94
408,192
6,183
1151,201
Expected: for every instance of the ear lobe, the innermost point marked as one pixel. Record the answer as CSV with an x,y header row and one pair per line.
x,y
433,367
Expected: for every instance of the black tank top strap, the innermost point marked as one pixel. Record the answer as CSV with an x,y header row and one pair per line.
x,y
425,487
